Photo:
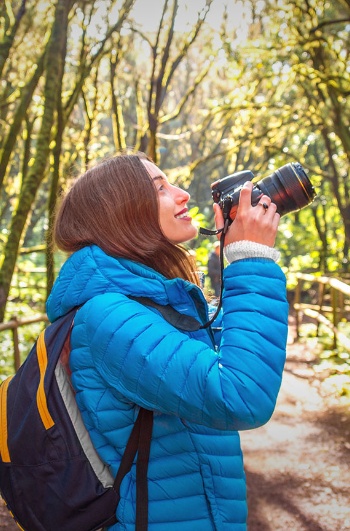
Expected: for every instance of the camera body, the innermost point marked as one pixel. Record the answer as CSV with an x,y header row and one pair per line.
x,y
288,187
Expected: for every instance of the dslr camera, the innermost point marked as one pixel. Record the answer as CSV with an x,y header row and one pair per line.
x,y
288,187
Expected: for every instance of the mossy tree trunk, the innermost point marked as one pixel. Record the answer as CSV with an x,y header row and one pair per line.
x,y
19,116
86,65
11,23
54,67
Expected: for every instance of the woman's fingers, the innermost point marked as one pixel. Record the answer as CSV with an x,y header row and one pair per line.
x,y
255,223
245,197
218,216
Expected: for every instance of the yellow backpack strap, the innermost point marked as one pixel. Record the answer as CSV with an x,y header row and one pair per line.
x,y
4,451
41,396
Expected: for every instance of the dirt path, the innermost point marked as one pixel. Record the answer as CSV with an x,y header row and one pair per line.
x,y
298,465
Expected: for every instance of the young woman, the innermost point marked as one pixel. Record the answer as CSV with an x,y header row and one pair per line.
x,y
123,223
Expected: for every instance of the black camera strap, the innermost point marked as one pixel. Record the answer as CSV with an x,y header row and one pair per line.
x,y
222,245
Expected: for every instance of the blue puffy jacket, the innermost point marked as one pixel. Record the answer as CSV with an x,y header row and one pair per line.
x,y
125,355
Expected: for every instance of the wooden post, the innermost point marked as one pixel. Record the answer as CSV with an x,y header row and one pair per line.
x,y
334,299
321,293
296,307
16,352
341,306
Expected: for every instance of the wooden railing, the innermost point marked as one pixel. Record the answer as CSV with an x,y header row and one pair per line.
x,y
13,325
331,306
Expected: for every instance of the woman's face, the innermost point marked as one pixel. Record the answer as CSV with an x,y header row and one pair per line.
x,y
174,220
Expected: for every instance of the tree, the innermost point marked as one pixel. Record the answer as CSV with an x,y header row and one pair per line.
x,y
292,101
64,109
202,110
54,67
18,117
11,24
167,54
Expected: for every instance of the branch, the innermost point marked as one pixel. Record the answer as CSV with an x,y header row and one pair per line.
x,y
325,23
186,97
87,66
189,42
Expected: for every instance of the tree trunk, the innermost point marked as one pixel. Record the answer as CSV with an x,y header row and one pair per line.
x,y
54,64
50,264
117,113
6,152
11,26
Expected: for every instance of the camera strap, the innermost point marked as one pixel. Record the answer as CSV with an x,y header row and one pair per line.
x,y
209,232
222,245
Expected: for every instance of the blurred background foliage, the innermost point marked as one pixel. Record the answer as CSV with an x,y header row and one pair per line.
x,y
205,88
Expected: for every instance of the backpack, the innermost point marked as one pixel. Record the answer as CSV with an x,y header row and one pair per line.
x,y
51,477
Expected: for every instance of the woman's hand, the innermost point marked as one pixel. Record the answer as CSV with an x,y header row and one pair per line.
x,y
257,224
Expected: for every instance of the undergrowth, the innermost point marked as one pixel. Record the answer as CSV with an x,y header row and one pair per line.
x,y
332,361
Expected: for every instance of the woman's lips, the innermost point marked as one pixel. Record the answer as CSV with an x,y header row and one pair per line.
x,y
183,215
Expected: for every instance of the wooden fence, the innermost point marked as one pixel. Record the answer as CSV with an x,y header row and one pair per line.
x,y
332,305
13,325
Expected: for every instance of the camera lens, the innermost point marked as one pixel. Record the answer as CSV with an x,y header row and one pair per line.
x,y
289,187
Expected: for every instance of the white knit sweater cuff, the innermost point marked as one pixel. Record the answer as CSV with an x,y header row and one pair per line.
x,y
248,249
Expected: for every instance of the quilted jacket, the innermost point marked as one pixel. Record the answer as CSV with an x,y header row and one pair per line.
x,y
125,355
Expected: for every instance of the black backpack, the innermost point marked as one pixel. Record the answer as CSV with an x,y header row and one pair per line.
x,y
51,477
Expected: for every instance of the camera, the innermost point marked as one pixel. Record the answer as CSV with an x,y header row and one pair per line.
x,y
288,187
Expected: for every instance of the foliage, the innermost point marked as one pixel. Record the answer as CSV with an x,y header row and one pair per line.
x,y
27,335
332,364
204,95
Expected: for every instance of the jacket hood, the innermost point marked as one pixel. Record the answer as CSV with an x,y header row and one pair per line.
x,y
90,272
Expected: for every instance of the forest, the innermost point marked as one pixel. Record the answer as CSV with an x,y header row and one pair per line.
x,y
205,88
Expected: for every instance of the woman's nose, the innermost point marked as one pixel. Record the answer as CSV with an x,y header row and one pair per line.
x,y
181,195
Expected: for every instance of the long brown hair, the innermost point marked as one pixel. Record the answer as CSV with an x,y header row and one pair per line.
x,y
115,206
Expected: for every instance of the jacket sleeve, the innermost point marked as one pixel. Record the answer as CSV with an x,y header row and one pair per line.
x,y
156,366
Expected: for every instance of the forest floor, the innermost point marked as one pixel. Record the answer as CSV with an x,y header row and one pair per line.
x,y
297,465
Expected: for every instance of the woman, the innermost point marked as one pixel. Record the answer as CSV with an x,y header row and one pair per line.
x,y
123,221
